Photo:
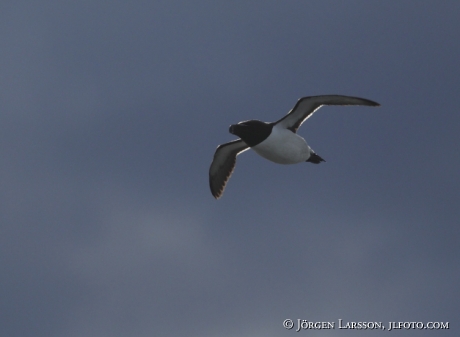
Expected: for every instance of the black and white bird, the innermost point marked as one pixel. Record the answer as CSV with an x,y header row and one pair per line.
x,y
277,141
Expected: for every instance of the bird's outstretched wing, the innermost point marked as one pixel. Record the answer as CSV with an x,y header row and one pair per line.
x,y
223,164
306,106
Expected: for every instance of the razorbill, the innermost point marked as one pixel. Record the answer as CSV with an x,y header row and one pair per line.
x,y
277,141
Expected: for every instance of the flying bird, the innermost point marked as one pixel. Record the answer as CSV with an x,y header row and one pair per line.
x,y
277,141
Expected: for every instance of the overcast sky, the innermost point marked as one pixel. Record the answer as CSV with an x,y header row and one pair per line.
x,y
110,116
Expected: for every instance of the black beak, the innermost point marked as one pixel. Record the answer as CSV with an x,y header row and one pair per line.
x,y
231,129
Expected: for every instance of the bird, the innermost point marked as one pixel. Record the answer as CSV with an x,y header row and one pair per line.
x,y
277,141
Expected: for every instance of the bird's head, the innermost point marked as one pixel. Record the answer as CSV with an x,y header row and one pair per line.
x,y
252,132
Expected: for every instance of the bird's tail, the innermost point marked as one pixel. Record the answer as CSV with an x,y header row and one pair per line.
x,y
314,158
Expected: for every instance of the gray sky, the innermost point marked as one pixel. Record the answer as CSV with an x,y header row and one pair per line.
x,y
110,116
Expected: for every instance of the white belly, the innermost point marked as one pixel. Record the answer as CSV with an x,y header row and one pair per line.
x,y
283,147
